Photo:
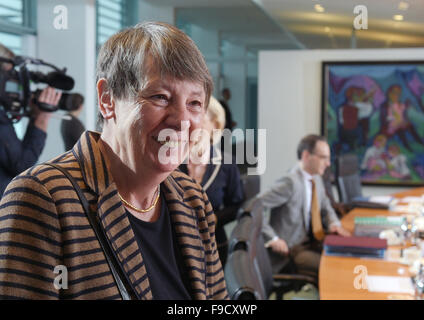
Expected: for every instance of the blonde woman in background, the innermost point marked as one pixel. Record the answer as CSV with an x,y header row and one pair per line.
x,y
220,181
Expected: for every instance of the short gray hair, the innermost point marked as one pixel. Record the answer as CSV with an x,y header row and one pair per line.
x,y
123,59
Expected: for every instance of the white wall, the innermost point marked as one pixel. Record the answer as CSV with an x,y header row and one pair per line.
x,y
289,100
74,49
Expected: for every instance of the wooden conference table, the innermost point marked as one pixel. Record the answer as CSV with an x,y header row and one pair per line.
x,y
337,276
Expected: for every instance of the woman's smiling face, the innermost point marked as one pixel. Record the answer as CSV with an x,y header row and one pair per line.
x,y
157,127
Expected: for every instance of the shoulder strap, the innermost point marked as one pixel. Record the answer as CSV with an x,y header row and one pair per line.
x,y
114,266
217,161
212,177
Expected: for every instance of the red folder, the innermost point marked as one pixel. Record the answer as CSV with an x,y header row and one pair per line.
x,y
355,242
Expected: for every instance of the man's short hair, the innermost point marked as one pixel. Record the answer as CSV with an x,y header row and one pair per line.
x,y
123,59
308,143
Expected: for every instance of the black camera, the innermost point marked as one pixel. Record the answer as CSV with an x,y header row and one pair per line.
x,y
15,93
65,103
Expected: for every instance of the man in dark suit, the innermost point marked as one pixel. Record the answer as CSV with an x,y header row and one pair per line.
x,y
301,212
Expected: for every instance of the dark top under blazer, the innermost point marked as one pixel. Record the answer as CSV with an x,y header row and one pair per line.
x,y
225,192
165,266
43,225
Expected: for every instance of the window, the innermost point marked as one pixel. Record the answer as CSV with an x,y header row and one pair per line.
x,y
12,11
112,16
18,16
184,26
12,41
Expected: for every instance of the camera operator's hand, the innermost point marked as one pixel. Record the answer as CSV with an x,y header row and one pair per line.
x,y
41,118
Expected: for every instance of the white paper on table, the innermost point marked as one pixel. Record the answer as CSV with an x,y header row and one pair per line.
x,y
390,284
412,200
419,223
410,209
381,199
392,255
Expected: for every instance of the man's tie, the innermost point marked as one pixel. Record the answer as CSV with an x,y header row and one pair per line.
x,y
317,229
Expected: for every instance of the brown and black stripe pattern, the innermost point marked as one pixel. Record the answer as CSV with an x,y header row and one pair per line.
x,y
43,225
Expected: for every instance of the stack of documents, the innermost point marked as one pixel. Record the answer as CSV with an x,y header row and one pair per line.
x,y
374,202
355,246
410,205
372,226
409,200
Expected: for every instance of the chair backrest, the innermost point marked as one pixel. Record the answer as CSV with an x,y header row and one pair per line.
x,y
328,179
254,210
241,233
251,186
249,227
348,180
260,257
241,276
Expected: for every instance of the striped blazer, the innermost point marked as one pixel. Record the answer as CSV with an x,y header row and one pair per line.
x,y
43,225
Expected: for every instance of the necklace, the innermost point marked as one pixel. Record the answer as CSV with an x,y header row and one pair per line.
x,y
138,209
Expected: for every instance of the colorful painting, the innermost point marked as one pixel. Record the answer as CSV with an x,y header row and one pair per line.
x,y
376,111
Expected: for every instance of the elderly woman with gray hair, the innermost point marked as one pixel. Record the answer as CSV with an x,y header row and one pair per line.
x,y
113,214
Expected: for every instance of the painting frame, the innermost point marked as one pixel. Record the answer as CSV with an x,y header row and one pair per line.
x,y
375,109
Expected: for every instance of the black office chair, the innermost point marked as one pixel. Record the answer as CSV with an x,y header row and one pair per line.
x,y
249,232
251,187
348,183
339,207
242,279
328,178
287,279
348,180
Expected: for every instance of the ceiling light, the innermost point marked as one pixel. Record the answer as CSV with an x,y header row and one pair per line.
x,y
398,17
319,8
403,5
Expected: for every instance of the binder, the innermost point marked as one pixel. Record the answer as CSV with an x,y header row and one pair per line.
x,y
374,202
369,247
372,226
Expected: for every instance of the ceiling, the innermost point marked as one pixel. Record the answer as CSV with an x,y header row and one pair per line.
x,y
333,27
245,26
295,24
